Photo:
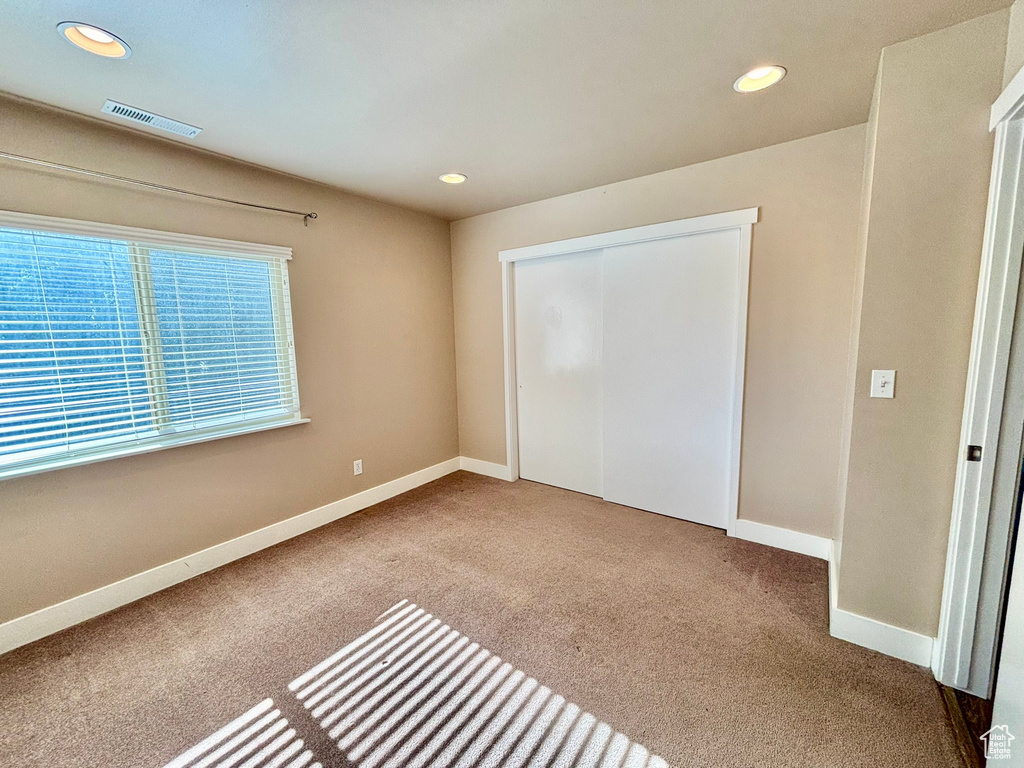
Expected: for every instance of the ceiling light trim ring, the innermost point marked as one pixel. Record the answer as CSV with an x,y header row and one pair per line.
x,y
90,38
759,78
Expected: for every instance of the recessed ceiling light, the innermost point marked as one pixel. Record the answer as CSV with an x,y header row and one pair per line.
x,y
759,79
94,40
452,178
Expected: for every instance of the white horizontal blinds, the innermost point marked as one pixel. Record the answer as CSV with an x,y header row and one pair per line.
x,y
221,338
106,344
71,366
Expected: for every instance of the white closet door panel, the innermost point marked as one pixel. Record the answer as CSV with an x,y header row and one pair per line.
x,y
670,355
558,351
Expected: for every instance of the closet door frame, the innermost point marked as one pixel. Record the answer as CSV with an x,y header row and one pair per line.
x,y
742,220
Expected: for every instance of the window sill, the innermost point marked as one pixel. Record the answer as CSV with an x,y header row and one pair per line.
x,y
150,445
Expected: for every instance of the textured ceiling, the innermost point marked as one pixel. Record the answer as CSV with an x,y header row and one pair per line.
x,y
529,98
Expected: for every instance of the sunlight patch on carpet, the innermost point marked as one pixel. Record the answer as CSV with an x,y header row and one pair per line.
x,y
412,692
260,738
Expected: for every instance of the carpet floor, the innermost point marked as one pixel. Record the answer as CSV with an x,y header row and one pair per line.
x,y
681,642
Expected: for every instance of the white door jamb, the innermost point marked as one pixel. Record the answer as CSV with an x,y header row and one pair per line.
x,y
965,647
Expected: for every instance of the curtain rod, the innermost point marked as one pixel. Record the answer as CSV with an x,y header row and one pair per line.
x,y
306,216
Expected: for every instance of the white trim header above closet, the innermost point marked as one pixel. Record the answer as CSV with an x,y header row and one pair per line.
x,y
709,223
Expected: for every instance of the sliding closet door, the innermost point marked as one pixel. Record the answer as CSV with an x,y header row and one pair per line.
x,y
670,373
558,348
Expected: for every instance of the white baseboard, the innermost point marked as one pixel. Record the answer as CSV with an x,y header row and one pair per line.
x,y
874,634
488,468
782,538
860,630
844,625
46,621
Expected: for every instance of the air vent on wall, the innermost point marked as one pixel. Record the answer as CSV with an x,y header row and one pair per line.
x,y
137,115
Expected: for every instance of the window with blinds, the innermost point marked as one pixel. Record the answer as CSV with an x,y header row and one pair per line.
x,y
111,345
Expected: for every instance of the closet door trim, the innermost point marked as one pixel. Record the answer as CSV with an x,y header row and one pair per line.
x,y
743,220
667,229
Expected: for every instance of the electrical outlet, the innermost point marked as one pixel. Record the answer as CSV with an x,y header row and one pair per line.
x,y
357,467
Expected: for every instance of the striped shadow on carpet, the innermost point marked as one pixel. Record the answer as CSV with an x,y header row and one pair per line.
x,y
260,737
414,693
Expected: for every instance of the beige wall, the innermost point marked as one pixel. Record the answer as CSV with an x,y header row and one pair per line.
x,y
871,139
801,294
1014,43
926,211
372,305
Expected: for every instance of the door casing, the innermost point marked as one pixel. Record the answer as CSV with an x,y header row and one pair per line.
x,y
742,220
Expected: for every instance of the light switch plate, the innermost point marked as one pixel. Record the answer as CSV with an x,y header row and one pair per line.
x,y
883,384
